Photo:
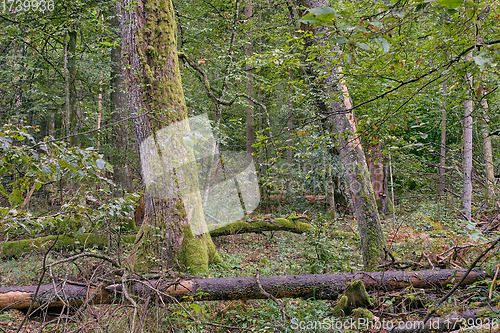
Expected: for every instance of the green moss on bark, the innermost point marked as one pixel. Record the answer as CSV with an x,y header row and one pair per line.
x,y
241,227
15,249
354,297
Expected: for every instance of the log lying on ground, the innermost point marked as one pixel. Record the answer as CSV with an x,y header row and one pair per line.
x,y
242,227
316,286
15,249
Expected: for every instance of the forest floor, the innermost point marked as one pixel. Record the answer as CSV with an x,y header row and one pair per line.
x,y
428,236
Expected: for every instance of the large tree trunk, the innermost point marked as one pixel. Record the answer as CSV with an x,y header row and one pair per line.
x,y
174,230
119,111
317,286
467,150
337,105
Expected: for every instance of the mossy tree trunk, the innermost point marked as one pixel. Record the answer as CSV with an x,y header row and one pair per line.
x,y
151,72
336,105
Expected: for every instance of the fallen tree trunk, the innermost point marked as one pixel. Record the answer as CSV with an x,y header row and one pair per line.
x,y
242,227
14,249
316,286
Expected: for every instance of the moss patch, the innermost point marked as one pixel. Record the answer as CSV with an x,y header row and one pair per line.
x,y
15,249
242,227
354,297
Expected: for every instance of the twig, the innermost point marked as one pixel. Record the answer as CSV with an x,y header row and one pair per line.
x,y
86,254
30,194
38,285
93,130
493,282
433,309
129,298
268,295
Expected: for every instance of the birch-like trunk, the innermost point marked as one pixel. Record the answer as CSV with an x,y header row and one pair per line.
x,y
337,105
151,72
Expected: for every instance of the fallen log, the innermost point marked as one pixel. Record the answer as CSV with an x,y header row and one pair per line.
x,y
14,249
316,286
242,227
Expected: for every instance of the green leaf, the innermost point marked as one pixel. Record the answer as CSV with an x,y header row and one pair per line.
x,y
383,43
450,4
107,44
322,11
100,163
309,18
319,15
481,61
364,46
339,40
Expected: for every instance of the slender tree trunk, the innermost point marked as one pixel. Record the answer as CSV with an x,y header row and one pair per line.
x,y
250,125
351,154
73,119
467,150
289,152
442,156
119,111
488,155
378,176
173,233
51,123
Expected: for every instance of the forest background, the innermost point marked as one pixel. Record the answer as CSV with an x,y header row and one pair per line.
x,y
422,80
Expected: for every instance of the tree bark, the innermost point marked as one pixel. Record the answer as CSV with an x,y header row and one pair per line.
x,y
173,232
71,108
378,176
250,121
336,105
316,286
442,156
488,155
467,150
119,111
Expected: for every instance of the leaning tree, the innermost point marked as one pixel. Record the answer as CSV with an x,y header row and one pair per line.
x,y
334,103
